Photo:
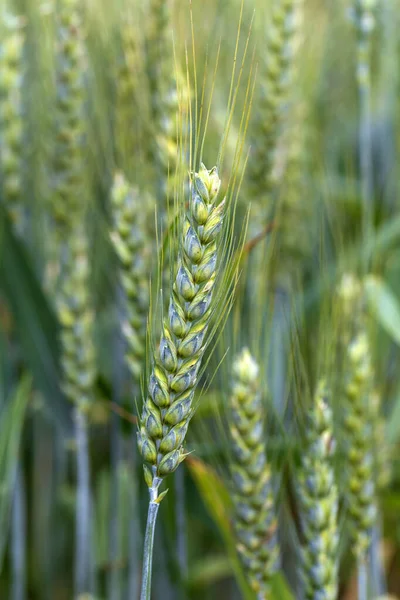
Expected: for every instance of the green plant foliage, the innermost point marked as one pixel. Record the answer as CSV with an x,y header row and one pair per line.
x,y
132,277
12,419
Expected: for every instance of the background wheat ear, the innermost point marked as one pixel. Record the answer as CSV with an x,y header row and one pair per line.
x,y
70,249
129,240
318,501
275,82
358,386
254,518
11,118
70,119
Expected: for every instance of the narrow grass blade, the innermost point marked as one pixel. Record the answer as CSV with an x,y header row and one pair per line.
x,y
217,501
11,422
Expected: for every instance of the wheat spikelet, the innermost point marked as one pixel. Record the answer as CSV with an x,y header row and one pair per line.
x,y
357,390
128,238
168,407
11,118
318,498
68,194
254,519
275,81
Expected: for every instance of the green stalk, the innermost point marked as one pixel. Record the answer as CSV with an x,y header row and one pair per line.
x,y
114,579
181,525
134,531
378,580
365,144
364,23
154,504
82,525
362,579
18,538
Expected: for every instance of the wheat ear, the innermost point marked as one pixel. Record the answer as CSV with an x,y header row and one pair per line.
x,y
318,499
176,363
130,245
254,514
70,129
71,245
11,121
358,443
275,82
164,80
129,134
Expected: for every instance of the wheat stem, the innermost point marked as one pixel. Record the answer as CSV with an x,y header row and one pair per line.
x,y
379,586
18,538
364,21
82,526
181,525
362,579
114,582
154,505
134,540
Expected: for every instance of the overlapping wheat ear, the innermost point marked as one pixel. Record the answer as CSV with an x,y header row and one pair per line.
x,y
131,98
73,300
169,98
254,516
358,384
70,123
69,209
363,16
318,500
168,407
11,118
129,240
294,214
275,82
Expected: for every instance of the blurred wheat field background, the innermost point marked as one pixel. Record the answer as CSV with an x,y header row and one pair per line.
x,y
199,300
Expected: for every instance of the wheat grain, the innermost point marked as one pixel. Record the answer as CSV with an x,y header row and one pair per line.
x,y
254,518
